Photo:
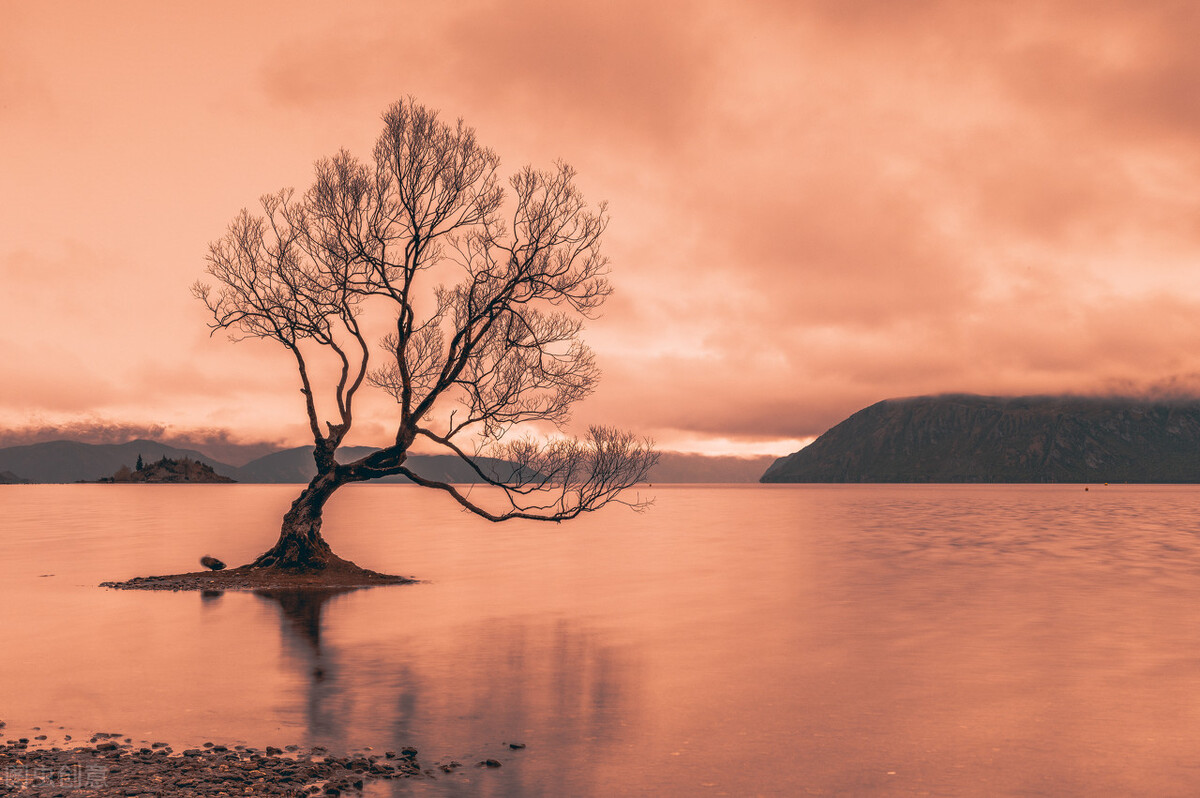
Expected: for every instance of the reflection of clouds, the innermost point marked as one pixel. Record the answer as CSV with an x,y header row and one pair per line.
x,y
466,693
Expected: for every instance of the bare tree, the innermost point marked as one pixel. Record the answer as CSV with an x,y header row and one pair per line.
x,y
465,363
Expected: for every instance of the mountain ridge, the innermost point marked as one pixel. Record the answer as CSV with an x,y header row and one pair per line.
x,y
73,461
66,461
1032,439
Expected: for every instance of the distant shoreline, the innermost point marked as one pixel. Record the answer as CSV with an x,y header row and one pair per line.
x,y
70,462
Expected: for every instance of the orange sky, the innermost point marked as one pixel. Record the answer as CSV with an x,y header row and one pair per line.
x,y
815,205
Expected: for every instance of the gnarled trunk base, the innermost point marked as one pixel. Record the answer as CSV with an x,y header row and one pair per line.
x,y
300,546
299,560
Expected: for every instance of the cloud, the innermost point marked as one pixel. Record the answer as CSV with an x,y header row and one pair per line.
x,y
912,209
814,205
797,379
87,332
636,73
635,70
24,91
1125,72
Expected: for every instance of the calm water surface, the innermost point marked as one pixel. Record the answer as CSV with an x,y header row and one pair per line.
x,y
733,640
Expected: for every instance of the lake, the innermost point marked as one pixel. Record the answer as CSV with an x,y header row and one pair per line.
x,y
732,640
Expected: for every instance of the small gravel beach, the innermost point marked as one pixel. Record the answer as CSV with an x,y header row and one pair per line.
x,y
110,764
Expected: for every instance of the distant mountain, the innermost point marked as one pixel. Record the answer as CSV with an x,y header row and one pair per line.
x,y
9,478
292,465
966,438
678,467
296,465
70,461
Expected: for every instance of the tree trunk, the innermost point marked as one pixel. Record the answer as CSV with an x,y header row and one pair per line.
x,y
300,546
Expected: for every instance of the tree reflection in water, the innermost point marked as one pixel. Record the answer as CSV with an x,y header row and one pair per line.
x,y
465,691
325,699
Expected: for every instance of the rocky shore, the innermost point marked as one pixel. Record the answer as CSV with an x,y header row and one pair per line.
x,y
110,764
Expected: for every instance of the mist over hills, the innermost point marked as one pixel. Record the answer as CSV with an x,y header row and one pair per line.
x,y
72,461
686,467
965,438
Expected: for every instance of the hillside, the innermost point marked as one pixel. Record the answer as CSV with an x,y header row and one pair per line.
x,y
71,461
997,439
683,467
296,465
167,471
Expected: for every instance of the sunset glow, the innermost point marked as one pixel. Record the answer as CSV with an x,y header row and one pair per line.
x,y
814,206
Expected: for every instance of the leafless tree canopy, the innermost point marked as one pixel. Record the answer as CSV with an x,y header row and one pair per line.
x,y
465,362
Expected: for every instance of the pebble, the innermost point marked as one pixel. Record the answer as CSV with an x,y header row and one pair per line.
x,y
150,771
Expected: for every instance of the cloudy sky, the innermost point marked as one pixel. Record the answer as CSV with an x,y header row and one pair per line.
x,y
815,205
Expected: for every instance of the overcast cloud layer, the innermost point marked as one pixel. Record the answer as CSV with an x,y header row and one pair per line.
x,y
815,205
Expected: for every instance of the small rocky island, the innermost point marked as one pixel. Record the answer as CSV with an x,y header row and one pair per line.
x,y
966,438
167,471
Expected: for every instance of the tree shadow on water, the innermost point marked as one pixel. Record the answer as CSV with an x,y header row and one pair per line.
x,y
466,691
301,619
